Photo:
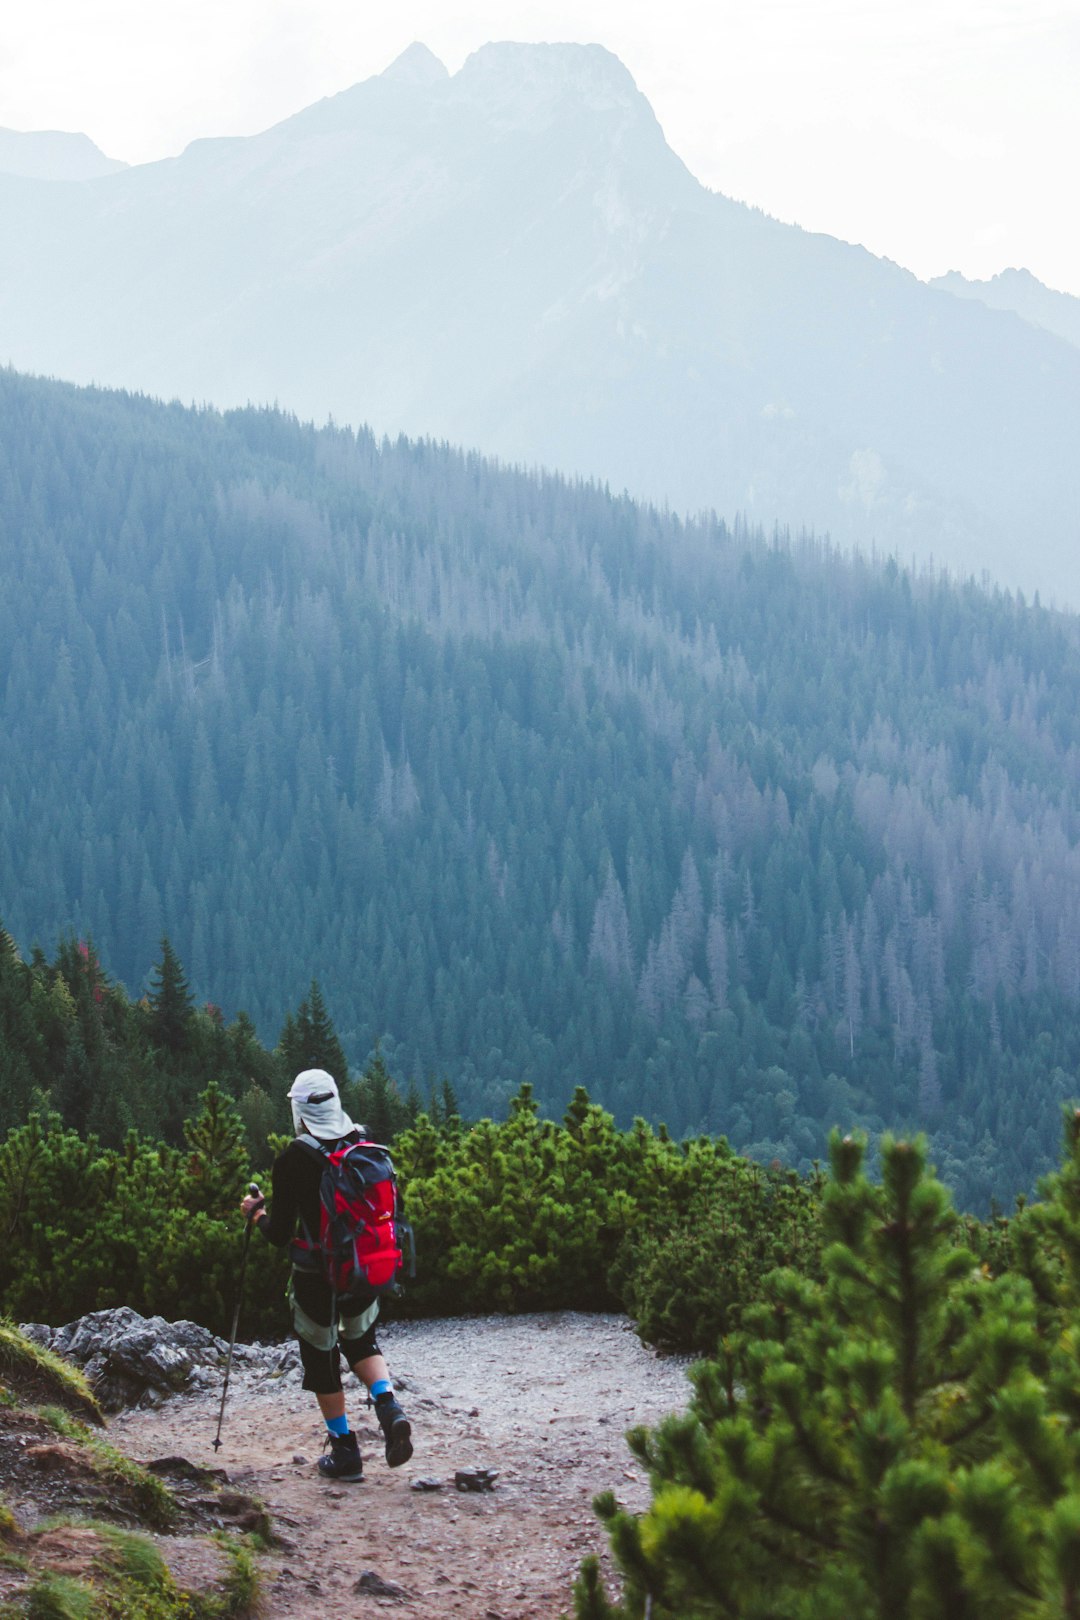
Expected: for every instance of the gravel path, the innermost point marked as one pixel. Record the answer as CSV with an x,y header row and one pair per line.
x,y
544,1399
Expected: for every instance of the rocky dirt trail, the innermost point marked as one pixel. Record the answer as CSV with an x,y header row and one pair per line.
x,y
544,1400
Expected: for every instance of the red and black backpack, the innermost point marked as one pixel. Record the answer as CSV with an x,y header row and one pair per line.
x,y
362,1230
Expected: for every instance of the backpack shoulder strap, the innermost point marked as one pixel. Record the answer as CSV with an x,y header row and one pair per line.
x,y
312,1144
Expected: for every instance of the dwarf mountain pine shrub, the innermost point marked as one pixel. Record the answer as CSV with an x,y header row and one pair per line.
x,y
899,1440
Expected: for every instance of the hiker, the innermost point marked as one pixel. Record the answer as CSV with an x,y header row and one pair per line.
x,y
322,1125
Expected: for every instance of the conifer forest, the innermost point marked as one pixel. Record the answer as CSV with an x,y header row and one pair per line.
x,y
540,785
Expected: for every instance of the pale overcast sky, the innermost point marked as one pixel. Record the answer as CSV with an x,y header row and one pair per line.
x,y
944,134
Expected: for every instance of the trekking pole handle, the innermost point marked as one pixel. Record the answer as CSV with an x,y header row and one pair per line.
x,y
254,1192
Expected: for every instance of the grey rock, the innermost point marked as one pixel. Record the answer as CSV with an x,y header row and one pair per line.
x,y
375,1586
476,1479
133,1360
286,1360
425,1485
39,1332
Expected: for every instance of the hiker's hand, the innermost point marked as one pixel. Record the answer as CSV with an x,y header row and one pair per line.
x,y
250,1205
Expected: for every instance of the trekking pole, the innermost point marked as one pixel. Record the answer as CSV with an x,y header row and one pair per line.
x,y
255,1193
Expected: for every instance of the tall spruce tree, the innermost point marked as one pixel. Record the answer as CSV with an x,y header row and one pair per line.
x,y
170,1002
379,1104
309,1040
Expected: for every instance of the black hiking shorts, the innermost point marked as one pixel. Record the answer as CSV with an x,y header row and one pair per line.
x,y
323,1341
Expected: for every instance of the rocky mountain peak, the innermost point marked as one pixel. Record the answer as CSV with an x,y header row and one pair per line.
x,y
523,79
416,65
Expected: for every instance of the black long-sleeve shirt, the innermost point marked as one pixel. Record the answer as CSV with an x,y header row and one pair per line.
x,y
297,1175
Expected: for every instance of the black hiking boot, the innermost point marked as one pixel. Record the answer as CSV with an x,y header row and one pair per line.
x,y
344,1461
396,1428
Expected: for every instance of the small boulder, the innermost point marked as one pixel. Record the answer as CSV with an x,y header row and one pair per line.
x,y
133,1360
476,1479
374,1586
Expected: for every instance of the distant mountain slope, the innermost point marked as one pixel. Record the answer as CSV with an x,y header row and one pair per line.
x,y
513,258
1025,295
53,155
541,785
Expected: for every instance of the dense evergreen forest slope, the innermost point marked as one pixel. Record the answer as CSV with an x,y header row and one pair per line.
x,y
541,785
513,258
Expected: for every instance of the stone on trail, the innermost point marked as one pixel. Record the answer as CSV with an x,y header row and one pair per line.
x,y
425,1485
374,1586
476,1479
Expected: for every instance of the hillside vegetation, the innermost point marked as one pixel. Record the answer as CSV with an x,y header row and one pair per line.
x,y
542,785
524,1214
894,1439
883,1426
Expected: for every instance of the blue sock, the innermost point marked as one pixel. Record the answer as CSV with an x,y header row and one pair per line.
x,y
339,1426
381,1386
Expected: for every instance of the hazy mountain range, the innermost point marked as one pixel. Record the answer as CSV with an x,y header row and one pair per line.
x,y
1025,295
513,258
51,154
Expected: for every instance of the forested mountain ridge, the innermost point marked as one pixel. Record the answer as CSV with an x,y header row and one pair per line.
x,y
513,258
540,784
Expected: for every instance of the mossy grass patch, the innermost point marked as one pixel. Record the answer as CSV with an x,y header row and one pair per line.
x,y
242,1587
76,1568
58,1597
33,1373
149,1497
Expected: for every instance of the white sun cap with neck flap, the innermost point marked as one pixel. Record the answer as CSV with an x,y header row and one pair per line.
x,y
316,1106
